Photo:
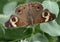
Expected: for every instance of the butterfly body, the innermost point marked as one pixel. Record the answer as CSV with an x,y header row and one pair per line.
x,y
29,14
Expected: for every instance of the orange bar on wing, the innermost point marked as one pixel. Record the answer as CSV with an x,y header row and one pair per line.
x,y
38,21
22,23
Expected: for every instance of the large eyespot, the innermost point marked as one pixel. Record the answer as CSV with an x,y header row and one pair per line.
x,y
13,21
46,15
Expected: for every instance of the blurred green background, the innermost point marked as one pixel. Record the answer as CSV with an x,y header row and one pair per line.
x,y
41,35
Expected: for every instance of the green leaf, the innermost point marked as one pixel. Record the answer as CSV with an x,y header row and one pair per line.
x,y
37,38
3,18
17,33
36,0
53,0
58,18
51,6
2,32
58,0
52,28
19,1
9,8
50,38
2,3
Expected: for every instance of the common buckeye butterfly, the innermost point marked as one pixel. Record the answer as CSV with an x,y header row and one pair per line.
x,y
29,14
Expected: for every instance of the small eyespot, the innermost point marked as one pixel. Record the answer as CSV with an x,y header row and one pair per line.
x,y
32,6
19,10
38,7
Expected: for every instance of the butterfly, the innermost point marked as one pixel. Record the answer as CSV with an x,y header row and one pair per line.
x,y
28,14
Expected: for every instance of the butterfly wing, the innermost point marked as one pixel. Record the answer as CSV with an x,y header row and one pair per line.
x,y
38,14
29,14
20,16
35,9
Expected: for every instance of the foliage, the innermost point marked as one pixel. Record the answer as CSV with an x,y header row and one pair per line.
x,y
44,32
